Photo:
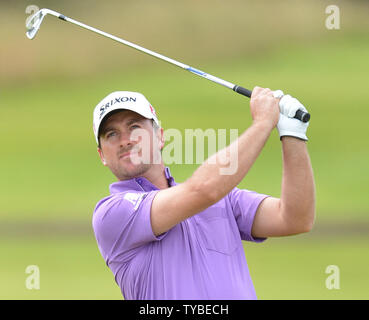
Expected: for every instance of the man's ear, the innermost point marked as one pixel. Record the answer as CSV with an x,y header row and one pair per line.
x,y
161,139
101,156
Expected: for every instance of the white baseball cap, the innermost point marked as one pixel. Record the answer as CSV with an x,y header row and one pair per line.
x,y
122,100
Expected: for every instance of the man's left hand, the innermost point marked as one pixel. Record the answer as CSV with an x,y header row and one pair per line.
x,y
287,125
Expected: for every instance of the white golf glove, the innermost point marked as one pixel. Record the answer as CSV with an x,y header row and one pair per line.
x,y
287,124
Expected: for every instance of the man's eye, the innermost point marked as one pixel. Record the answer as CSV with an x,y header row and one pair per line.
x,y
135,126
111,134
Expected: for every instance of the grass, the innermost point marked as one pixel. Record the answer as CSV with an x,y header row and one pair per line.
x,y
291,268
287,268
69,269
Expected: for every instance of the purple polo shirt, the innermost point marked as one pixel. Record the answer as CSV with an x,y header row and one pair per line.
x,y
200,258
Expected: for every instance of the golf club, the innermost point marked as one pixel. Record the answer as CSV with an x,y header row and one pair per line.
x,y
35,21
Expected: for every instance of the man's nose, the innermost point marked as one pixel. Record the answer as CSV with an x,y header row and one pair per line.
x,y
126,139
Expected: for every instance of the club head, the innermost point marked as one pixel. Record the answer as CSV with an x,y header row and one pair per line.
x,y
34,23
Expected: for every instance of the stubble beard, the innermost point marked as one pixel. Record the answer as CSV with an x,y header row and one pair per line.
x,y
133,171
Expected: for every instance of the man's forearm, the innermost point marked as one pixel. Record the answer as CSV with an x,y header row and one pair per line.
x,y
211,175
298,188
212,181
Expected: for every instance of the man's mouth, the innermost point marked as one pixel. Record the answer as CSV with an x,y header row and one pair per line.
x,y
128,154
125,155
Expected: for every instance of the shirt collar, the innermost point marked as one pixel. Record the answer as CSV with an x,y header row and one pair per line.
x,y
139,184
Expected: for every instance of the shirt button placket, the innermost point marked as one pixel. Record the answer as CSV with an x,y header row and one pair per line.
x,y
139,181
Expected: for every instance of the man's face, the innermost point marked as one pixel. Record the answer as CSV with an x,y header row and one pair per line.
x,y
129,145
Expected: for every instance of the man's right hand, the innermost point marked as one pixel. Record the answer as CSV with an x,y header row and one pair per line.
x,y
264,107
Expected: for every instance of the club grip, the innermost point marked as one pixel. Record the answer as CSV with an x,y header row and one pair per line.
x,y
243,91
300,115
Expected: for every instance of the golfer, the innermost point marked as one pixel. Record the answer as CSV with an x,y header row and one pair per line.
x,y
164,240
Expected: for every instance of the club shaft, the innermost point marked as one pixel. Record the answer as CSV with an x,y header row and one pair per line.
x,y
152,53
300,115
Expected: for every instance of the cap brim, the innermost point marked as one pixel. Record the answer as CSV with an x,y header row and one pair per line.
x,y
130,108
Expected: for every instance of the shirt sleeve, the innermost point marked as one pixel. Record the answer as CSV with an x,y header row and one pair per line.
x,y
122,224
244,206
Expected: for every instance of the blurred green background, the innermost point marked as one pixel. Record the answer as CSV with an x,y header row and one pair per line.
x,y
51,176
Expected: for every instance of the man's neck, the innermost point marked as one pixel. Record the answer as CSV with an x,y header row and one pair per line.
x,y
156,175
